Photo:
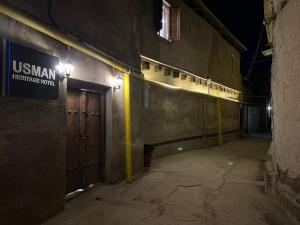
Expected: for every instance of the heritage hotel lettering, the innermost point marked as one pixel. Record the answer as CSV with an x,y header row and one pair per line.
x,y
33,73
29,73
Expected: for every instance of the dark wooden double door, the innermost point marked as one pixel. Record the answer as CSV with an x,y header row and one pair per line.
x,y
85,138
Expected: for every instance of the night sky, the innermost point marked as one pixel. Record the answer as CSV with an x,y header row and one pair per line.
x,y
244,18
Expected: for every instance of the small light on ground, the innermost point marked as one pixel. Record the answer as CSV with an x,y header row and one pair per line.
x,y
179,148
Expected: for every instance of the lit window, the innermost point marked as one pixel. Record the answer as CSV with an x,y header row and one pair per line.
x,y
165,30
170,23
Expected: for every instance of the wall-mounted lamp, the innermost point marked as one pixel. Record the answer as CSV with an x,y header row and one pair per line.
x,y
64,70
69,69
117,82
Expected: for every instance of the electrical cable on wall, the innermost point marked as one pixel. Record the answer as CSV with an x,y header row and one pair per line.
x,y
255,54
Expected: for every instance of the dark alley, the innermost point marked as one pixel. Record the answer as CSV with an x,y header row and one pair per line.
x,y
149,112
213,186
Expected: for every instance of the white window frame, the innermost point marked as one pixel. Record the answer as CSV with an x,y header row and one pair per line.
x,y
165,30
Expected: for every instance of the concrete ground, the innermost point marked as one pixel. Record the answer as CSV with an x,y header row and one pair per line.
x,y
213,186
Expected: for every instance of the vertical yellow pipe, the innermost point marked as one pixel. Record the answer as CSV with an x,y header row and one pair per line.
x,y
128,127
219,111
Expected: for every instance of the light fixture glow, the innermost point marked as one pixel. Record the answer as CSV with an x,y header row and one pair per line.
x,y
117,82
269,108
68,69
60,68
165,85
185,89
64,70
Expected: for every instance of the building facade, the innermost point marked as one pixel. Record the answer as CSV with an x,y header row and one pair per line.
x,y
190,61
52,147
135,81
284,28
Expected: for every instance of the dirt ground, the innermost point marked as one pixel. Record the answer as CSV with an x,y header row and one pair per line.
x,y
213,186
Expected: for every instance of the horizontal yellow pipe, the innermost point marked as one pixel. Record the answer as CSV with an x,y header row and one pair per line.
x,y
187,90
20,16
186,72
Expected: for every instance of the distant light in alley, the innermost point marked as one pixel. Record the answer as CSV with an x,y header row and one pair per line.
x,y
269,108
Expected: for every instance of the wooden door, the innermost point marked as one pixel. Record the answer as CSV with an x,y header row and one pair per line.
x,y
92,125
84,137
74,171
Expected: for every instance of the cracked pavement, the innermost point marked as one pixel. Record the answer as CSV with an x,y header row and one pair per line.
x,y
212,186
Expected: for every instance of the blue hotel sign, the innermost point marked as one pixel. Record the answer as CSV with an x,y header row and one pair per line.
x,y
28,73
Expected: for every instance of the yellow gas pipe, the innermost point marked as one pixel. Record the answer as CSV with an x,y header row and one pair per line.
x,y
219,111
50,31
128,127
